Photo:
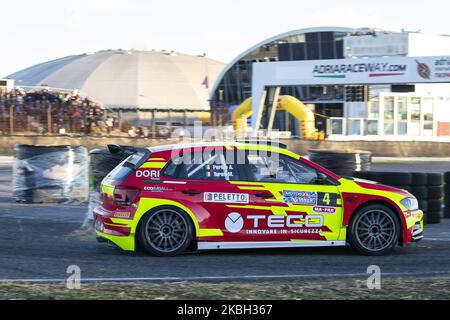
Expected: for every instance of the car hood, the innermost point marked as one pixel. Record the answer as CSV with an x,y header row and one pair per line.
x,y
368,184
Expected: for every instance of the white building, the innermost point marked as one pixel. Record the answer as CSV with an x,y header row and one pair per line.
x,y
397,110
389,110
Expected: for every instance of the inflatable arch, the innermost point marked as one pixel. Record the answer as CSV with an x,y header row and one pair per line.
x,y
290,104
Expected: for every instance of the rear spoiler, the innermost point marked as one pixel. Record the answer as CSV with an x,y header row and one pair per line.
x,y
118,149
133,161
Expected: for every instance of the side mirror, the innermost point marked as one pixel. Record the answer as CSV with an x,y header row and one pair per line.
x,y
321,178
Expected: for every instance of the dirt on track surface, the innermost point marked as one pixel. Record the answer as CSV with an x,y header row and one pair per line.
x,y
435,288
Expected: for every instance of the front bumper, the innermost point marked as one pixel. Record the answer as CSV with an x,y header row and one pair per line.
x,y
414,224
417,234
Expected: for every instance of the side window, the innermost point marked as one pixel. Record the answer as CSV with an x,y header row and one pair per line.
x,y
211,167
170,170
281,169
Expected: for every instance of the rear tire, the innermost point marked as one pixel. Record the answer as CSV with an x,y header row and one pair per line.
x,y
374,230
165,231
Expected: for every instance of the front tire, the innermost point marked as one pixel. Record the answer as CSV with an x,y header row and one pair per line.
x,y
374,230
165,232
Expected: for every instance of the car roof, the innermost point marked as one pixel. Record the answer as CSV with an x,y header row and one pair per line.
x,y
211,144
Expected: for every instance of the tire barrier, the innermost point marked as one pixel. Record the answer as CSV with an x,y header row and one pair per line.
x,y
393,178
447,195
420,192
56,174
435,179
435,185
435,192
428,188
447,177
434,205
344,162
407,188
102,163
423,205
419,179
365,175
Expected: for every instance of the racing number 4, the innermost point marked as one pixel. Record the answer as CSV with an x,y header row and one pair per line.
x,y
326,199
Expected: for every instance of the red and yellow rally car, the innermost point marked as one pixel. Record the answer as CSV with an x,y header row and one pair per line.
x,y
231,195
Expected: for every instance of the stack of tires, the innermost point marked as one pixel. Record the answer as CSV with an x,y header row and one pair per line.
x,y
426,187
435,188
102,163
342,162
447,195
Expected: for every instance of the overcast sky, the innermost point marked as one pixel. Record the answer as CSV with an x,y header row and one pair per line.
x,y
37,31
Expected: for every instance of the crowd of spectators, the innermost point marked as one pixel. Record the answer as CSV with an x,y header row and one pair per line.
x,y
50,112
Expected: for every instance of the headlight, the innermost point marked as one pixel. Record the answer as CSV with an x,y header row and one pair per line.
x,y
410,203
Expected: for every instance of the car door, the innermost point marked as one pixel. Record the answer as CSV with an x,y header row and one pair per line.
x,y
205,185
293,201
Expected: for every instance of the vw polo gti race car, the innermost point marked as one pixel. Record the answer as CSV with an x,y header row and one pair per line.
x,y
232,195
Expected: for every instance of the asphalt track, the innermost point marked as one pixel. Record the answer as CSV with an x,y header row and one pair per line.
x,y
37,244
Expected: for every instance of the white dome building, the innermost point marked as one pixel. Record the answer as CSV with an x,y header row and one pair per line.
x,y
121,80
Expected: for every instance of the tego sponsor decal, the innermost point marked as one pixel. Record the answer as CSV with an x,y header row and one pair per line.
x,y
292,221
274,224
293,224
222,197
153,174
234,222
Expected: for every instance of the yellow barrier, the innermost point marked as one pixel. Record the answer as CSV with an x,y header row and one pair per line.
x,y
290,104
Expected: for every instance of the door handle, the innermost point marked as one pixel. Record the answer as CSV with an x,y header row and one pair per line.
x,y
264,195
191,192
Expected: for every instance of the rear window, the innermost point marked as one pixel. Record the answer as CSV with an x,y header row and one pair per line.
x,y
126,167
